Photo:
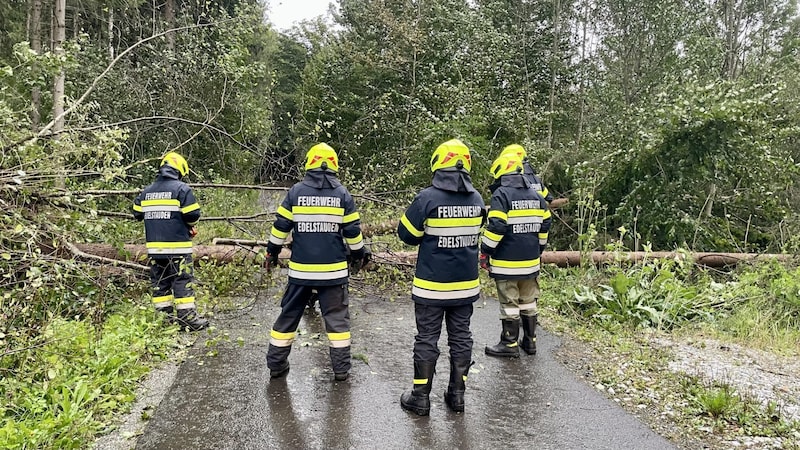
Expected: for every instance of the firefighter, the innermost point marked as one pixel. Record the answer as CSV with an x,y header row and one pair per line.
x,y
322,216
528,170
444,220
170,213
512,243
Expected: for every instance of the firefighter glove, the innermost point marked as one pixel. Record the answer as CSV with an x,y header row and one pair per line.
x,y
484,261
192,232
273,251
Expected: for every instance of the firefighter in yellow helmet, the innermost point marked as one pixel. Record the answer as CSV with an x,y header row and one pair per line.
x,y
327,246
528,170
444,220
512,243
170,212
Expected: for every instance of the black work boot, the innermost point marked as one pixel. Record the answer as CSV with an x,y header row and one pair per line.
x,y
454,395
528,341
340,360
417,400
168,313
508,346
189,319
278,360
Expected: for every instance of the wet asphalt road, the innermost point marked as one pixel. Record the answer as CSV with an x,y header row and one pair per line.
x,y
228,401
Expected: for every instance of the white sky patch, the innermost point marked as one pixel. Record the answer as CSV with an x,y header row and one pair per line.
x,y
283,14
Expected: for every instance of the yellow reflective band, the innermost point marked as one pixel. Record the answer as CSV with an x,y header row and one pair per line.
x,y
184,300
543,235
455,222
162,202
493,236
498,214
317,267
526,213
411,229
514,264
351,217
282,336
330,210
345,335
420,381
185,244
285,213
278,233
452,286
544,192
190,208
137,208
547,214
355,240
163,298
464,377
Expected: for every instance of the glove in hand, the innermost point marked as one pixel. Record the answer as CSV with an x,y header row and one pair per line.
x,y
273,251
193,232
484,261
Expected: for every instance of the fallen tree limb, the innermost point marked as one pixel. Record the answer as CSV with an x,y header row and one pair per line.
x,y
77,253
242,251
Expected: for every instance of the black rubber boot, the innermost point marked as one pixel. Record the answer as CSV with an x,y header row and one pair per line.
x,y
417,400
340,360
278,361
454,395
508,346
528,341
189,319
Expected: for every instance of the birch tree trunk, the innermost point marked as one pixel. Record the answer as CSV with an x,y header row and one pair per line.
x,y
35,36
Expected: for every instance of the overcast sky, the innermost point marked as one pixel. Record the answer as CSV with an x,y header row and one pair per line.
x,y
284,13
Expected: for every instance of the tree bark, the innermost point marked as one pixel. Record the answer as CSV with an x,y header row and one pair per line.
x,y
110,32
59,36
35,36
169,17
240,253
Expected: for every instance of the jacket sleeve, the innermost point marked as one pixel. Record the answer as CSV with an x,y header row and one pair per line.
x,y
497,225
138,212
548,197
190,209
351,224
411,228
284,222
547,222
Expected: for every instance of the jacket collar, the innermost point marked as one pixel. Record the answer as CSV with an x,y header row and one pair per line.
x,y
170,172
321,179
452,180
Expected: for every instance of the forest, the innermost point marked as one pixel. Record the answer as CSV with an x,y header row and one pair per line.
x,y
671,125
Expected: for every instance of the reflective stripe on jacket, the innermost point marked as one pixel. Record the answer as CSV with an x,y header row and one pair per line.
x,y
169,210
322,217
517,229
446,225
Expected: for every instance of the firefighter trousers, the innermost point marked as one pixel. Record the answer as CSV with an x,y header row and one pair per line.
x,y
429,328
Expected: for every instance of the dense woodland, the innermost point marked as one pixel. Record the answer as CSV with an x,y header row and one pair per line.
x,y
668,125
676,120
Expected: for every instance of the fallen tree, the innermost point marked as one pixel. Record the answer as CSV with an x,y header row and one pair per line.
x,y
248,250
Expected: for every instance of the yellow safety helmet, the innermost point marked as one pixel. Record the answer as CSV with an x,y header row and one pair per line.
x,y
449,154
506,163
320,154
515,149
177,162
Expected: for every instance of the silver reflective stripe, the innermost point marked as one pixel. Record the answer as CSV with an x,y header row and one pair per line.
x,y
184,305
318,275
358,246
281,342
317,218
340,344
160,208
445,295
169,251
542,241
163,304
527,306
452,231
489,243
276,240
511,311
515,270
525,219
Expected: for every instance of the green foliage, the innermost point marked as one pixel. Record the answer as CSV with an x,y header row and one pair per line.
x,y
65,388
